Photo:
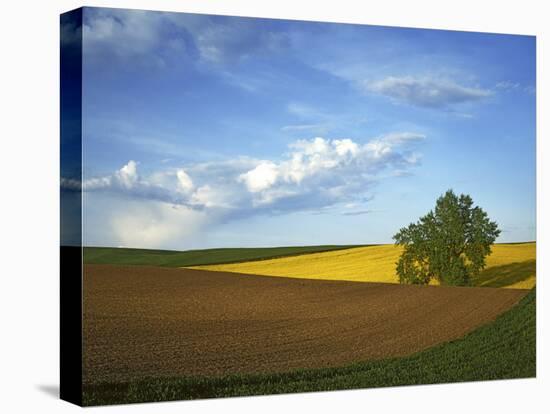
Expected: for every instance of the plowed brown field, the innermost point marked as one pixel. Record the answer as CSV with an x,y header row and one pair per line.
x,y
154,322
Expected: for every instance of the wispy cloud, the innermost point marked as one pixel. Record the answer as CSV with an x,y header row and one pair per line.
x,y
315,128
507,85
425,91
154,38
121,35
510,86
318,120
357,213
227,42
304,111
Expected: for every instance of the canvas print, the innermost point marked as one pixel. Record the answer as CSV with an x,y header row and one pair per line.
x,y
258,206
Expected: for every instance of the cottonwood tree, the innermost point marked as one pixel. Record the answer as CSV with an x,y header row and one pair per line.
x,y
449,244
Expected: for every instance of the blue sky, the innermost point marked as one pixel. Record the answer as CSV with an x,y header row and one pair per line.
x,y
209,131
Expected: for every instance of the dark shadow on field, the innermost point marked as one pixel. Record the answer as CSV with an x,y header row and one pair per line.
x,y
500,276
50,389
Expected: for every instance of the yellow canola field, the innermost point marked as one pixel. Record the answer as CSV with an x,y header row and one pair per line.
x,y
510,266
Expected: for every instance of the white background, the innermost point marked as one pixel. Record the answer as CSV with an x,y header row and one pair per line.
x,y
29,159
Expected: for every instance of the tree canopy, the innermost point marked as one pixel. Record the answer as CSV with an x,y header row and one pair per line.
x,y
449,244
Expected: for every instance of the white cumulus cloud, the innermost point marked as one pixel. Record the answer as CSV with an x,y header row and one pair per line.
x,y
261,177
311,159
313,175
127,175
184,181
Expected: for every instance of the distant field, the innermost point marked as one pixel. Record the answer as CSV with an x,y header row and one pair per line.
x,y
510,266
158,333
171,258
